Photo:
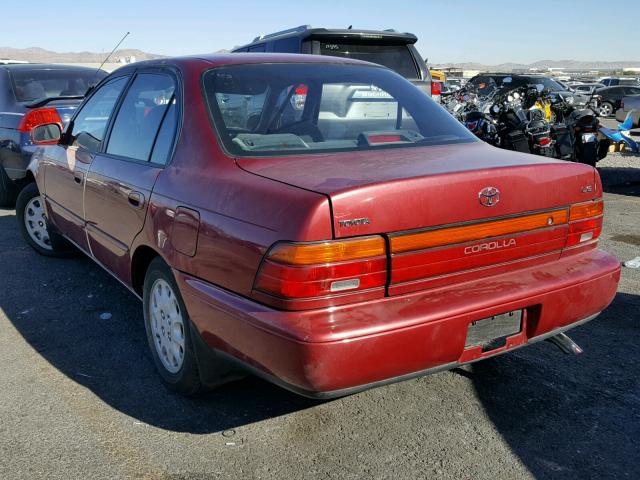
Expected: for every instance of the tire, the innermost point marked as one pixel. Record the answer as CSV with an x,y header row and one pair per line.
x,y
7,190
34,227
201,368
606,109
168,330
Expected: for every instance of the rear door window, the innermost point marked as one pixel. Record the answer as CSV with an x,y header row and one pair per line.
x,y
137,123
396,57
166,136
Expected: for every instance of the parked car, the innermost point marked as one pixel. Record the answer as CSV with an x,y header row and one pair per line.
x,y
613,81
611,97
24,89
390,48
629,104
324,244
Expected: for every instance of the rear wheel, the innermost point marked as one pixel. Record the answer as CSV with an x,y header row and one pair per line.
x,y
184,361
34,226
168,330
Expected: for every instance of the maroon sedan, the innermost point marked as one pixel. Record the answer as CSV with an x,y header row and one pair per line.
x,y
317,221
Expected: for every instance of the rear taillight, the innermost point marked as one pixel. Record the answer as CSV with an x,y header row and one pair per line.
x,y
544,141
436,88
37,117
310,275
585,223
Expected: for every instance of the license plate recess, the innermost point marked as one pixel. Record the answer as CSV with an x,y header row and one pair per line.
x,y
492,332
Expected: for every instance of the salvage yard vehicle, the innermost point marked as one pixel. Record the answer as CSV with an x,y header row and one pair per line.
x,y
389,48
323,244
24,89
611,98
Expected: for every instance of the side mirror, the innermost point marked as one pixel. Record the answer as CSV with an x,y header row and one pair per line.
x,y
46,134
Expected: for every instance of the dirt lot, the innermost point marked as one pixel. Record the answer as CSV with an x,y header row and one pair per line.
x,y
79,397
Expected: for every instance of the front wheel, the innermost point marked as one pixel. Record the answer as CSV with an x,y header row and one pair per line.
x,y
34,226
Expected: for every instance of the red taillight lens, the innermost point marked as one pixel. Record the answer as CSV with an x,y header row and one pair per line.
x,y
301,89
295,273
544,141
585,223
39,116
472,125
436,88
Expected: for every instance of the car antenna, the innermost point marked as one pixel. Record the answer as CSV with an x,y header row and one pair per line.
x,y
111,53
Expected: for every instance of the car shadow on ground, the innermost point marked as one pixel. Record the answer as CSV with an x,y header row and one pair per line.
x,y
620,180
57,304
554,421
574,416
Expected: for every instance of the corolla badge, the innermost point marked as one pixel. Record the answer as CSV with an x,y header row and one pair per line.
x,y
489,196
354,222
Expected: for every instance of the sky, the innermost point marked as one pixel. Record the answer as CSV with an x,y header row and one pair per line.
x,y
485,31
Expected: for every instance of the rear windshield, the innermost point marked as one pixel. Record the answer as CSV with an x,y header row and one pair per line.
x,y
271,109
396,57
36,84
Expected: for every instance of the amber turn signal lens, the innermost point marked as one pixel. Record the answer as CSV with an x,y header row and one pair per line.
x,y
586,210
477,231
328,252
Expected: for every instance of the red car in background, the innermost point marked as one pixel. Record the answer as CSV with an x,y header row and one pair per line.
x,y
317,221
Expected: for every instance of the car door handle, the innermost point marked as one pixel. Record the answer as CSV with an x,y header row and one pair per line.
x,y
77,177
136,199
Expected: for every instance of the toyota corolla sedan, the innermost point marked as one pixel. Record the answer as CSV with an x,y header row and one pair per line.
x,y
317,221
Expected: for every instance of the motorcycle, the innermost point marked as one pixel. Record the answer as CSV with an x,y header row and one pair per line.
x,y
521,124
576,132
507,118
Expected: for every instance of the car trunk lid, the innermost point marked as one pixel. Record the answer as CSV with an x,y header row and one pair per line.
x,y
490,206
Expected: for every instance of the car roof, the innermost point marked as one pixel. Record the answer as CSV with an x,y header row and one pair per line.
x,y
221,59
306,31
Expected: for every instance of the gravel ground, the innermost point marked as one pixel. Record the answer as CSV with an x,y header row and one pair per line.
x,y
79,397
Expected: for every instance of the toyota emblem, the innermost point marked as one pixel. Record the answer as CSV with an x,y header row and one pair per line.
x,y
489,196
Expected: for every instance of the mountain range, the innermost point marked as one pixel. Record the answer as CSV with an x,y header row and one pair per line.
x,y
545,64
40,55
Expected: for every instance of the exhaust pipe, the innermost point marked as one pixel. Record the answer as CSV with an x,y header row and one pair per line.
x,y
564,343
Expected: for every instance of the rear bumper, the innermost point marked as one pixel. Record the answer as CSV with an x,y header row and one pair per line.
x,y
340,350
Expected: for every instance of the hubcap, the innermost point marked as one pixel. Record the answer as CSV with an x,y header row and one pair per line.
x,y
36,223
605,110
167,325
